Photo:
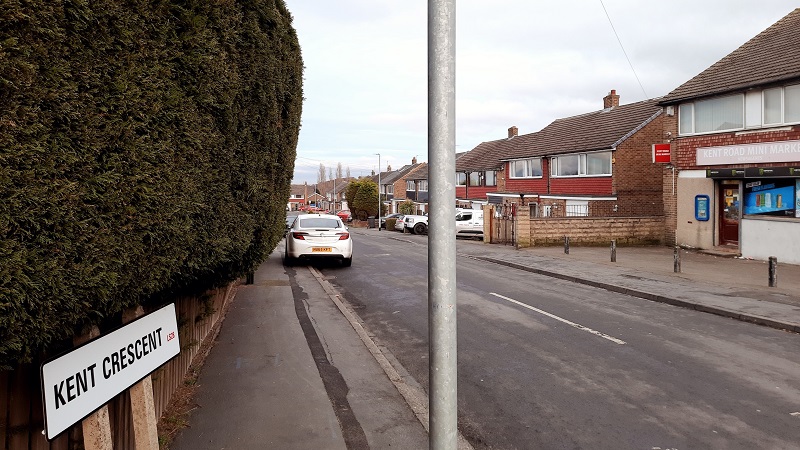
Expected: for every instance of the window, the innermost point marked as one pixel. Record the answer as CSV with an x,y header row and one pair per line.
x,y
715,114
773,106
410,185
423,185
465,215
526,168
475,178
390,189
791,104
461,179
581,165
491,178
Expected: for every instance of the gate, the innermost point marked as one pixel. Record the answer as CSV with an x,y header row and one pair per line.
x,y
503,224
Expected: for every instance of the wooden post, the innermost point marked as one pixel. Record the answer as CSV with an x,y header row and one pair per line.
x,y
613,250
145,432
97,426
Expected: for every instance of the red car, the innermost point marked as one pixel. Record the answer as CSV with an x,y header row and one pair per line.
x,y
345,215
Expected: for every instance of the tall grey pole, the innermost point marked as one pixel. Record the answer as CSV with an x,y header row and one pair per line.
x,y
443,421
379,191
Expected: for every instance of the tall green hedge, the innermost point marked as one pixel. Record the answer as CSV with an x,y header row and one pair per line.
x,y
146,151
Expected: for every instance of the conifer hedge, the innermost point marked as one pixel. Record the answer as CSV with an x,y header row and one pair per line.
x,y
146,151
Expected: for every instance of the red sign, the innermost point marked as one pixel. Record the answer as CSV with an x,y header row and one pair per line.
x,y
661,153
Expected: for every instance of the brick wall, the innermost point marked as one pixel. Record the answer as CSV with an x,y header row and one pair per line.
x,y
638,182
685,148
588,230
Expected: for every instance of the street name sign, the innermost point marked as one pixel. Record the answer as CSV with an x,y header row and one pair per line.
x,y
79,382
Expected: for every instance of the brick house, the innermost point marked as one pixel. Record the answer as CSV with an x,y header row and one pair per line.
x,y
480,171
735,146
394,183
591,165
297,197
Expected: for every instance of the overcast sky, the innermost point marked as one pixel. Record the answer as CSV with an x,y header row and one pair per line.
x,y
518,62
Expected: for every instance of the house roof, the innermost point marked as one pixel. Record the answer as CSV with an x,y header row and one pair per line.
x,y
486,156
599,130
298,189
771,56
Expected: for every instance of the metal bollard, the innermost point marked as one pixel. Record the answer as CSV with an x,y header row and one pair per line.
x,y
677,260
773,271
566,245
613,250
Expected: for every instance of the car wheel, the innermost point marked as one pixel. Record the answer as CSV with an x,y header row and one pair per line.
x,y
419,228
347,262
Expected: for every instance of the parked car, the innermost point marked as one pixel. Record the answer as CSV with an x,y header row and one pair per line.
x,y
313,236
345,215
399,225
390,216
416,223
290,221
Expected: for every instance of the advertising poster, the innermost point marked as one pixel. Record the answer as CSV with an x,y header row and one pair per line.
x,y
797,199
773,197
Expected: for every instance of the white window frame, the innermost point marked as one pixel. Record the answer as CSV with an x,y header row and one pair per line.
x,y
493,178
410,185
461,179
582,165
526,168
422,185
689,107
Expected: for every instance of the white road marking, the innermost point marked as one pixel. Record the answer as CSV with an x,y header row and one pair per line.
x,y
553,316
796,414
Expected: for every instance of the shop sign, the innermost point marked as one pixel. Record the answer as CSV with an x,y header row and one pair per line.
x,y
77,383
661,153
764,152
728,173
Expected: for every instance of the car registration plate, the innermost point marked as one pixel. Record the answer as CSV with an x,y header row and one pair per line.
x,y
321,250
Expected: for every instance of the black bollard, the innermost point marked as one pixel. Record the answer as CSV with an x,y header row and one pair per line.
x,y
677,260
250,278
566,245
613,250
773,271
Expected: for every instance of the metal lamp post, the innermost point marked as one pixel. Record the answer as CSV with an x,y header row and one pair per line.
x,y
379,191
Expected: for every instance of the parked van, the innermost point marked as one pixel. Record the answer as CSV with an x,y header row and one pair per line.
x,y
469,222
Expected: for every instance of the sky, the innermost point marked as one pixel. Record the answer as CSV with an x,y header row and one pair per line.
x,y
520,63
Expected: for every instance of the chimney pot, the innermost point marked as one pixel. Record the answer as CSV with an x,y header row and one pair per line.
x,y
512,132
414,160
611,100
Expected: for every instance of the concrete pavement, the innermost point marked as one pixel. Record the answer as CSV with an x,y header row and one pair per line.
x,y
292,369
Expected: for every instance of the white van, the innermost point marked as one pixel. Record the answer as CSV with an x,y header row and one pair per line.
x,y
469,222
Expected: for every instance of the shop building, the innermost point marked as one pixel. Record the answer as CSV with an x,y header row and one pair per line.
x,y
734,132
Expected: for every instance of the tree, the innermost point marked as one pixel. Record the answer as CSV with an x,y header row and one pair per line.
x,y
339,170
322,174
407,207
362,198
348,172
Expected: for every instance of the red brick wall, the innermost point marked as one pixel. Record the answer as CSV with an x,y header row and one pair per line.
x,y
582,186
638,182
527,185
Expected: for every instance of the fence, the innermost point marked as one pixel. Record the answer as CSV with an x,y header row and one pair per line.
x,y
21,412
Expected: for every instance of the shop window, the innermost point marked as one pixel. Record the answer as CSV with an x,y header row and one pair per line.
x,y
773,197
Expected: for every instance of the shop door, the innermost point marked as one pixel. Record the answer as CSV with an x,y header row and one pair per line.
x,y
729,213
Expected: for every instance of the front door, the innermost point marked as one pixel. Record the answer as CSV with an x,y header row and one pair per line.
x,y
729,213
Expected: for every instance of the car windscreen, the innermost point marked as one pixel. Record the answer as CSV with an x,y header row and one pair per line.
x,y
318,222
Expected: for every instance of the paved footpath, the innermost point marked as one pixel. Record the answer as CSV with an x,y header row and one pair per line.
x,y
288,371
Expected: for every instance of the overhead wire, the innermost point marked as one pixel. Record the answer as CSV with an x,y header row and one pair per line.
x,y
623,49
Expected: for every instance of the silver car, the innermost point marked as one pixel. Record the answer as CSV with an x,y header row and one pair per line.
x,y
322,236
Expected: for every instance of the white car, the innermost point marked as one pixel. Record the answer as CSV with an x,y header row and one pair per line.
x,y
322,236
416,224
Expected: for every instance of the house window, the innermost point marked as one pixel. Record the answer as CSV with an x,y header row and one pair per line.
x,y
581,165
475,178
390,189
491,178
714,114
410,185
526,168
423,185
461,179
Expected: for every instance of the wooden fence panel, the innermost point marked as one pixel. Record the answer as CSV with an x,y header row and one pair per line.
x,y
22,413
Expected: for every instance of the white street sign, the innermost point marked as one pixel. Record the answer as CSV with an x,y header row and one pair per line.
x,y
77,383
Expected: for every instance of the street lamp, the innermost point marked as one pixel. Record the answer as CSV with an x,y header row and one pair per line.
x,y
379,191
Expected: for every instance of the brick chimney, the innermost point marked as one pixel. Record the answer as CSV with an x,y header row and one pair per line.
x,y
414,160
512,132
611,100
